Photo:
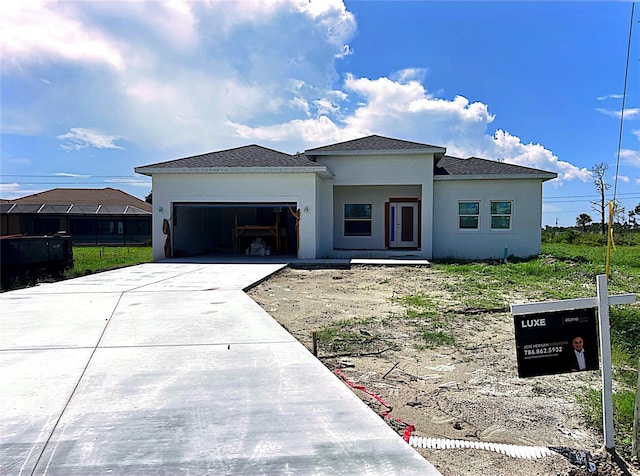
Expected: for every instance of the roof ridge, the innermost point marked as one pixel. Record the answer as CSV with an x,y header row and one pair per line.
x,y
372,142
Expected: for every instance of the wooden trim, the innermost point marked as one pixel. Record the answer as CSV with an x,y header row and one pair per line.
x,y
419,224
403,199
386,224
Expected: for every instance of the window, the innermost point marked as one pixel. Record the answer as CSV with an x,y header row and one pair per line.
x,y
501,215
468,215
357,219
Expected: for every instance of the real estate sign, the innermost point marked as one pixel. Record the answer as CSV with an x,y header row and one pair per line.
x,y
556,342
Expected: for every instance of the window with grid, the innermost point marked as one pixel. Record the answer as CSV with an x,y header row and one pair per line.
x,y
468,215
357,219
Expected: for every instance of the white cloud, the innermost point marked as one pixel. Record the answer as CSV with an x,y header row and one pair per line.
x,y
630,157
629,113
514,151
636,133
193,75
609,96
409,74
79,138
9,187
298,131
65,174
404,109
177,71
37,30
14,190
624,178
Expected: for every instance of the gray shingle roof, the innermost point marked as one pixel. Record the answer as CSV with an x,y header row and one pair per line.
x,y
371,143
454,166
247,156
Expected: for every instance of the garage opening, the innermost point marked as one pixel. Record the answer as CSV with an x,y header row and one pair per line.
x,y
234,229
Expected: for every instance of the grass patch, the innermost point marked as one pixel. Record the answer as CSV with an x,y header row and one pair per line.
x,y
564,271
419,300
346,336
436,338
623,408
432,328
93,259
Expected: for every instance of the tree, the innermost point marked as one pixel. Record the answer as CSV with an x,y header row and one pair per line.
x,y
633,216
149,198
583,221
597,172
618,212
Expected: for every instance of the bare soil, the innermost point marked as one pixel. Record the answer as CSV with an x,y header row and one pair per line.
x,y
460,382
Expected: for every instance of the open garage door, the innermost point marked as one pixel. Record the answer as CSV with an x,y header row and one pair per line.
x,y
227,229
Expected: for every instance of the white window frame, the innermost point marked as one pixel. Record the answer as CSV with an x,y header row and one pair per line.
x,y
477,215
498,215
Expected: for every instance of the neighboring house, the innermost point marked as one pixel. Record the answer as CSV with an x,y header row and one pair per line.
x,y
91,216
368,197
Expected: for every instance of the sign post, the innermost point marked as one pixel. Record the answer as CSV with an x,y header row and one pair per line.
x,y
545,352
605,353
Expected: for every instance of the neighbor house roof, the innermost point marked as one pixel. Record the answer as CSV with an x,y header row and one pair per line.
x,y
237,160
375,144
482,168
64,200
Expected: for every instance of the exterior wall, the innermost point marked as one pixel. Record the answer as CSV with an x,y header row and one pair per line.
x,y
235,188
374,179
324,217
522,240
377,196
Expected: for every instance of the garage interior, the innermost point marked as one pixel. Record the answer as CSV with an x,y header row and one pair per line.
x,y
255,229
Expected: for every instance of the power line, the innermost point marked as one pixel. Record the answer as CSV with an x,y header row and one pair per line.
x,y
624,97
70,176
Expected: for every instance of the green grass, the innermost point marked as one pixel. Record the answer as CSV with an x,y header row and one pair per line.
x,y
93,259
345,336
623,408
433,328
564,271
436,338
87,260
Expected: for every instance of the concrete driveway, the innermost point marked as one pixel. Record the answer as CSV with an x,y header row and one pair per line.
x,y
170,368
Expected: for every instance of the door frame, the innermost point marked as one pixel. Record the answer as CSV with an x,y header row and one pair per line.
x,y
396,201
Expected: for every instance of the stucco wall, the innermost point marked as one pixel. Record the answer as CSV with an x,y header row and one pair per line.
x,y
374,195
236,188
378,178
523,239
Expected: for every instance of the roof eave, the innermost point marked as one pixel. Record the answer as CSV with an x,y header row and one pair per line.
x,y
150,171
542,176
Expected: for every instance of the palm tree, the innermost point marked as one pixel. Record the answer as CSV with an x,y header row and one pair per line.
x,y
583,221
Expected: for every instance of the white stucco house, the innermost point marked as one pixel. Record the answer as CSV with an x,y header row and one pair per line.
x,y
369,197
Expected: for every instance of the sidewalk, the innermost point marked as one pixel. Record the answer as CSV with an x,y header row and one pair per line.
x,y
169,368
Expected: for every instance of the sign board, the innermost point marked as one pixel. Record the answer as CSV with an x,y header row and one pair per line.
x,y
556,342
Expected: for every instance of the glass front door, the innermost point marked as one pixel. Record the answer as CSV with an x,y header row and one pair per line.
x,y
403,224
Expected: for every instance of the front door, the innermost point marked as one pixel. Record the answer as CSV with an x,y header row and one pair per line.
x,y
403,225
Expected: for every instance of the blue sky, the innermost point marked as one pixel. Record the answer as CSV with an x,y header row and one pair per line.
x,y
90,90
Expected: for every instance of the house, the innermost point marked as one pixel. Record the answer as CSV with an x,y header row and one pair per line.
x,y
369,197
90,216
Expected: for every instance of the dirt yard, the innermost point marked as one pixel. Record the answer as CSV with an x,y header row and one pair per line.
x,y
450,372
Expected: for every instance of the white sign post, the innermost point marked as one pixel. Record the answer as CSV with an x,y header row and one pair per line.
x,y
605,353
602,302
